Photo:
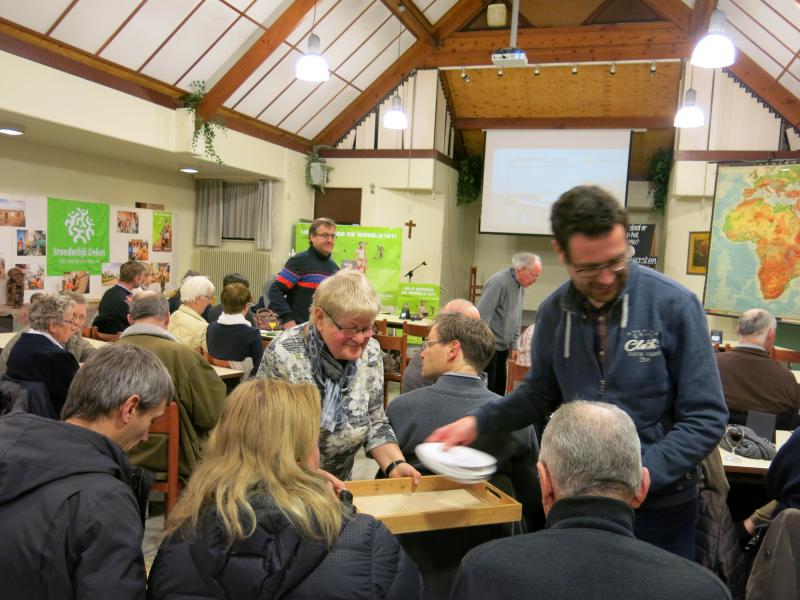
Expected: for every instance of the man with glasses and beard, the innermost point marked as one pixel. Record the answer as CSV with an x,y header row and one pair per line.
x,y
627,335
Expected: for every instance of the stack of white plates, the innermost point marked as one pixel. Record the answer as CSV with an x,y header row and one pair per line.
x,y
459,463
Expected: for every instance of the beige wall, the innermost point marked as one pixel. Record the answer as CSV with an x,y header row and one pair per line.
x,y
39,170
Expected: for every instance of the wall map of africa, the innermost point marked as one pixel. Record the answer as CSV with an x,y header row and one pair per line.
x,y
755,241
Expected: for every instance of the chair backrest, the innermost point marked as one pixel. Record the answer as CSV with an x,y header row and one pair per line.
x,y
217,362
475,290
416,329
169,424
786,356
395,342
380,327
516,374
87,332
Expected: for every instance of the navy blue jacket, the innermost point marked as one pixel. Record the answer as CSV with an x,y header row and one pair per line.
x,y
659,368
36,358
235,342
783,477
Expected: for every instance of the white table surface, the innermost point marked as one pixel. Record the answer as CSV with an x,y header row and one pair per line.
x,y
751,465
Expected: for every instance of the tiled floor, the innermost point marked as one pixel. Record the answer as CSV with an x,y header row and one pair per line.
x,y
364,468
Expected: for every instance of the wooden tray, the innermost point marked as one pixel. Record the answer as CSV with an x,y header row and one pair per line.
x,y
438,503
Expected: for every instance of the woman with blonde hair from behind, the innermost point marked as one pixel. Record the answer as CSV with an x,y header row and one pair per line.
x,y
258,521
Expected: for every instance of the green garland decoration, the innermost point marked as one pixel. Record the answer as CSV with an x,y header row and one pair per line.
x,y
207,127
658,171
470,180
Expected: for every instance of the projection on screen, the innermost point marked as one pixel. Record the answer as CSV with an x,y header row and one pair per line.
x,y
525,172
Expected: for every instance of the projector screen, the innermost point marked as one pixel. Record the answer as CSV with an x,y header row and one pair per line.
x,y
525,171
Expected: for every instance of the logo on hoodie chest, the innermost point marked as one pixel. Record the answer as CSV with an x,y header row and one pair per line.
x,y
642,345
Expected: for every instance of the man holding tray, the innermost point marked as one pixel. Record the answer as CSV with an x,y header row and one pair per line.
x,y
620,333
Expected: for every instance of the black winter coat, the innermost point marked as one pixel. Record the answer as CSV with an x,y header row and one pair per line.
x,y
70,526
276,563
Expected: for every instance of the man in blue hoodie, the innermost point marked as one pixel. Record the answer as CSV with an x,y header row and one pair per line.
x,y
629,336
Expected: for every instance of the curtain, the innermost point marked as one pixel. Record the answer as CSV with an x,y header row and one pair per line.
x,y
208,212
239,210
263,222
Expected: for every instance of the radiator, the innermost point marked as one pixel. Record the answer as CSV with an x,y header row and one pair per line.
x,y
215,264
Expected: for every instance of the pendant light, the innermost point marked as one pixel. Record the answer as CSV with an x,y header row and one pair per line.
x,y
312,66
395,117
716,49
689,115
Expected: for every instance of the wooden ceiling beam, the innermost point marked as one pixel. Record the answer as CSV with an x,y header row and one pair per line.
x,y
631,41
672,10
269,41
566,123
455,18
33,46
701,15
411,20
784,102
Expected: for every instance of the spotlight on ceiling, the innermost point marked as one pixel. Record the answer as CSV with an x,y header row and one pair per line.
x,y
575,69
716,49
653,69
499,72
13,130
612,70
189,170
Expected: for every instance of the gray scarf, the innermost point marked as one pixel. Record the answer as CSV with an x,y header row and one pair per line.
x,y
331,376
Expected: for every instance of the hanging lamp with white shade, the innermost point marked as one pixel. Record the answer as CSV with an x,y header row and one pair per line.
x,y
716,49
312,66
689,115
395,117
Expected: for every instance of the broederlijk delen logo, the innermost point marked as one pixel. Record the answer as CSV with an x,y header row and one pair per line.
x,y
80,226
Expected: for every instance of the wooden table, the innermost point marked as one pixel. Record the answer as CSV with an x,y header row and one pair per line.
x,y
751,466
225,374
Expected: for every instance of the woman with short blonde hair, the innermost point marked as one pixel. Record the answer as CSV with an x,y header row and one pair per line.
x,y
187,323
258,517
336,352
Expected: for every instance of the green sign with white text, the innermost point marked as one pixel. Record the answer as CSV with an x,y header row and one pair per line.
x,y
375,251
77,236
422,299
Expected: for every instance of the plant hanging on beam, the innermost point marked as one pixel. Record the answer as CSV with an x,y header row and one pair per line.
x,y
470,180
206,127
658,172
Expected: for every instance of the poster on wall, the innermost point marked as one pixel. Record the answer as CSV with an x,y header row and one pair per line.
x,y
755,242
422,299
79,239
641,237
12,213
127,221
375,251
162,231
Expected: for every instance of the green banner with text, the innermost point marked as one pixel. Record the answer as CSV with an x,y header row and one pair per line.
x,y
422,299
77,236
375,251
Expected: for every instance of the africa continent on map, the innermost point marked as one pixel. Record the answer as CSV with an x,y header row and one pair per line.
x,y
755,241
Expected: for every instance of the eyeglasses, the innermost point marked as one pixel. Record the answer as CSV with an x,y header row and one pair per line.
x,y
428,344
327,236
615,266
350,331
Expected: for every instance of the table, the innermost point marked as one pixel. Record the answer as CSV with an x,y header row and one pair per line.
x,y
225,373
397,322
751,466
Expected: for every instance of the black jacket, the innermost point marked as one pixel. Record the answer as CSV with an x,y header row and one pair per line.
x,y
112,314
589,552
71,527
275,563
36,358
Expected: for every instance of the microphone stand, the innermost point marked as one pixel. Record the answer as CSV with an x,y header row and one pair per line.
x,y
410,274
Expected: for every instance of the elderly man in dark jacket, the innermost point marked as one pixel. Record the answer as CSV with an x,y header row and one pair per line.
x,y
591,475
71,525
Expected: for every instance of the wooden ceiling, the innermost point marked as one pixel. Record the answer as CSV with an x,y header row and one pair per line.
x,y
245,51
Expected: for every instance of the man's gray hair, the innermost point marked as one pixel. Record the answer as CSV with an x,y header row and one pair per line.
x,y
460,306
50,308
111,375
524,260
592,448
756,323
148,304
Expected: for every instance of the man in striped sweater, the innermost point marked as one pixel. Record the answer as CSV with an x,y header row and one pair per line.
x,y
290,295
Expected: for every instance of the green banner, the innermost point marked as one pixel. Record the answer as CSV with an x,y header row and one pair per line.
x,y
373,250
162,231
422,299
77,235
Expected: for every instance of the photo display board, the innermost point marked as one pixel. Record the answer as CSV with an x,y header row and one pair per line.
x,y
76,245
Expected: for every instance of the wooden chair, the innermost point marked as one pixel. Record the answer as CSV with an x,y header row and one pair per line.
x,y
393,342
380,327
415,329
169,424
217,362
87,332
516,373
475,290
786,356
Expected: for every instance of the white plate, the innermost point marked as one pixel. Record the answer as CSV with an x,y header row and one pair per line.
x,y
458,456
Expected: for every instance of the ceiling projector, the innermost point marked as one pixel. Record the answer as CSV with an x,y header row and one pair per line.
x,y
509,57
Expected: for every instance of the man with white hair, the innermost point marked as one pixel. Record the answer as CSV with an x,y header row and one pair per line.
x,y
501,307
412,377
591,475
752,380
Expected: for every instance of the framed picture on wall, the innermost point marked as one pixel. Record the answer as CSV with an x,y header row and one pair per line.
x,y
697,259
